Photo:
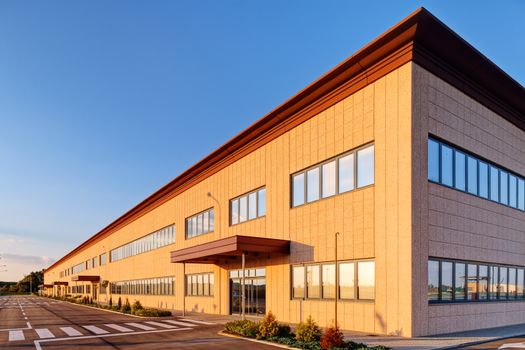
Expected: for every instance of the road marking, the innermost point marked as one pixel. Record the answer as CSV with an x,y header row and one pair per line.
x,y
158,324
178,323
72,332
95,329
39,347
44,333
118,328
16,335
513,345
140,326
197,321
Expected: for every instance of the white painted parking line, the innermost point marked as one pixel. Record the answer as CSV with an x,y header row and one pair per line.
x,y
118,328
70,331
178,323
44,333
96,330
140,326
158,324
16,335
197,321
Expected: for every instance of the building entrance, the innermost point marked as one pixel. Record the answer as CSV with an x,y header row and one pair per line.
x,y
255,291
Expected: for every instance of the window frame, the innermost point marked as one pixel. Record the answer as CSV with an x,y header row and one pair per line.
x,y
247,196
187,220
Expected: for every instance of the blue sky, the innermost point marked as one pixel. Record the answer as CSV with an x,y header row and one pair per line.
x,y
103,102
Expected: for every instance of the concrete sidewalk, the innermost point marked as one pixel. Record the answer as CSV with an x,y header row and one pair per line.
x,y
444,341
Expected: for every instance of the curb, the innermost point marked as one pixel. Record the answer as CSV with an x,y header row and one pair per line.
x,y
476,342
277,345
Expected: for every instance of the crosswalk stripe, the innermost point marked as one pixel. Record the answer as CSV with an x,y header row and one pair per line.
x,y
70,331
118,328
140,326
16,335
44,333
96,330
178,323
158,324
197,321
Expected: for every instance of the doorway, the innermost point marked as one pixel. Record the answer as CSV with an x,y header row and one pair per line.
x,y
255,289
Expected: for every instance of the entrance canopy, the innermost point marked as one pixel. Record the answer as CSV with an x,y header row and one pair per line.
x,y
59,283
230,248
84,278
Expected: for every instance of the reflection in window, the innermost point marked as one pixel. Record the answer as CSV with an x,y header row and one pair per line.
x,y
346,281
483,282
346,173
312,185
200,224
459,164
433,160
298,190
261,204
243,209
298,282
446,281
312,281
472,282
504,189
521,194
433,280
234,210
459,280
472,176
494,184
328,179
446,165
503,282
366,279
494,282
328,281
483,180
512,283
513,191
365,166
521,283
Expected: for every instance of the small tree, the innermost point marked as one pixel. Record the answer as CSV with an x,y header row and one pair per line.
x,y
332,337
308,331
119,304
268,327
110,302
136,306
126,308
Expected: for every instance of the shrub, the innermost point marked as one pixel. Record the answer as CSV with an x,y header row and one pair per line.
x,y
308,331
268,327
284,330
126,308
136,306
110,302
332,338
244,328
152,313
119,304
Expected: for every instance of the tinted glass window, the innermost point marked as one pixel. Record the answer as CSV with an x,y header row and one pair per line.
x,y
459,163
446,165
459,280
494,184
504,187
513,191
365,167
513,289
503,282
494,282
328,274
252,205
312,280
298,282
328,179
472,167
446,280
483,282
346,173
433,280
261,206
312,177
472,282
298,190
366,279
243,209
346,281
483,180
433,160
521,194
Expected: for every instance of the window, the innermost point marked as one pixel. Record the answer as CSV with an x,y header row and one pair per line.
x,y
365,166
520,283
446,287
298,190
155,240
248,206
483,282
483,180
312,282
328,275
94,262
201,223
103,259
366,279
454,168
433,160
503,282
472,282
512,283
334,176
318,281
328,179
298,282
346,280
150,286
459,281
346,173
494,184
200,284
494,282
460,171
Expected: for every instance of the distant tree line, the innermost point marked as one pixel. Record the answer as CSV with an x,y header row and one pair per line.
x,y
24,285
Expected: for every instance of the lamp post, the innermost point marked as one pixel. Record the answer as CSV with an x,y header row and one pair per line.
x,y
336,279
218,227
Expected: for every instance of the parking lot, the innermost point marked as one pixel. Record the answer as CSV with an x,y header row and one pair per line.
x,y
28,322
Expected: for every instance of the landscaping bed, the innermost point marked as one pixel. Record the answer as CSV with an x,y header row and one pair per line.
x,y
307,336
125,308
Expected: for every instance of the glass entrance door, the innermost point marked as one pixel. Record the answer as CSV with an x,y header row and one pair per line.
x,y
255,289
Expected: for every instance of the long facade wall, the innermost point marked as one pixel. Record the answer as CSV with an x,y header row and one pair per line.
x,y
374,222
452,224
